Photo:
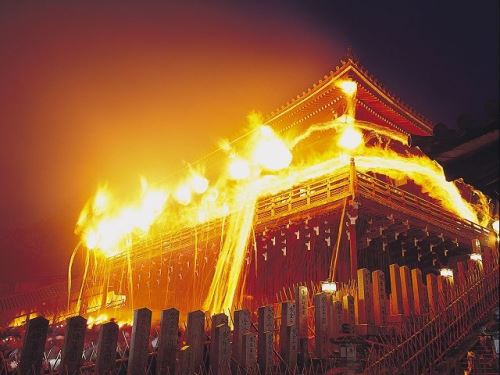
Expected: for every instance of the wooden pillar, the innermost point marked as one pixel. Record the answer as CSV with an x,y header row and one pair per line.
x,y
419,293
139,342
167,346
195,335
406,291
321,325
216,320
241,328
352,215
106,349
249,353
396,295
33,346
220,349
379,298
432,294
186,366
364,300
335,315
301,302
265,339
288,335
72,350
348,309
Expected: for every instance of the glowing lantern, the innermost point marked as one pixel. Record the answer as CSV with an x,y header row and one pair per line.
x,y
328,286
446,272
476,257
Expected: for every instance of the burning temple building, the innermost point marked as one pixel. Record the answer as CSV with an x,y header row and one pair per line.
x,y
330,184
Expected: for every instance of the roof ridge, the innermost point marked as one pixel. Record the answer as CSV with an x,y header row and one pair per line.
x,y
345,62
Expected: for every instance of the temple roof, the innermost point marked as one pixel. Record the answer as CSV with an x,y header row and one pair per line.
x,y
374,103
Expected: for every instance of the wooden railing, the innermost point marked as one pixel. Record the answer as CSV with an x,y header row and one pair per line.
x,y
431,341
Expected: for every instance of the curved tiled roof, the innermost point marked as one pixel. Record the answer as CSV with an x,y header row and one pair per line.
x,y
353,69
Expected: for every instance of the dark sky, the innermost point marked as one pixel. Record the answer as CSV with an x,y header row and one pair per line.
x,y
107,91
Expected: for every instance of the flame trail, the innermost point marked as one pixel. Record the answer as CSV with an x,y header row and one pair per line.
x,y
224,284
70,266
84,279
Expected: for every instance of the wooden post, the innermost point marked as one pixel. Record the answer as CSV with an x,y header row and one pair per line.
x,y
288,335
419,294
167,346
139,342
241,327
33,346
186,366
379,298
220,349
321,325
249,353
265,339
106,349
432,294
301,301
396,296
348,308
335,315
406,290
216,320
195,335
364,300
352,215
72,350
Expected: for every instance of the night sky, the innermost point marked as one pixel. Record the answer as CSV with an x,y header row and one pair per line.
x,y
96,92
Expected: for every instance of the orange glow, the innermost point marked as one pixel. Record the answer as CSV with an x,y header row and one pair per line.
x,y
265,168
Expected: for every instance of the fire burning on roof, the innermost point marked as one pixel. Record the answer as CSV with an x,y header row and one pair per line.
x,y
262,164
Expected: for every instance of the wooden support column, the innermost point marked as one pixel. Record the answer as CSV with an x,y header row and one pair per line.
x,y
352,216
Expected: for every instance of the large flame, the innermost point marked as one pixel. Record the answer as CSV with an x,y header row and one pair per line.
x,y
259,167
106,224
